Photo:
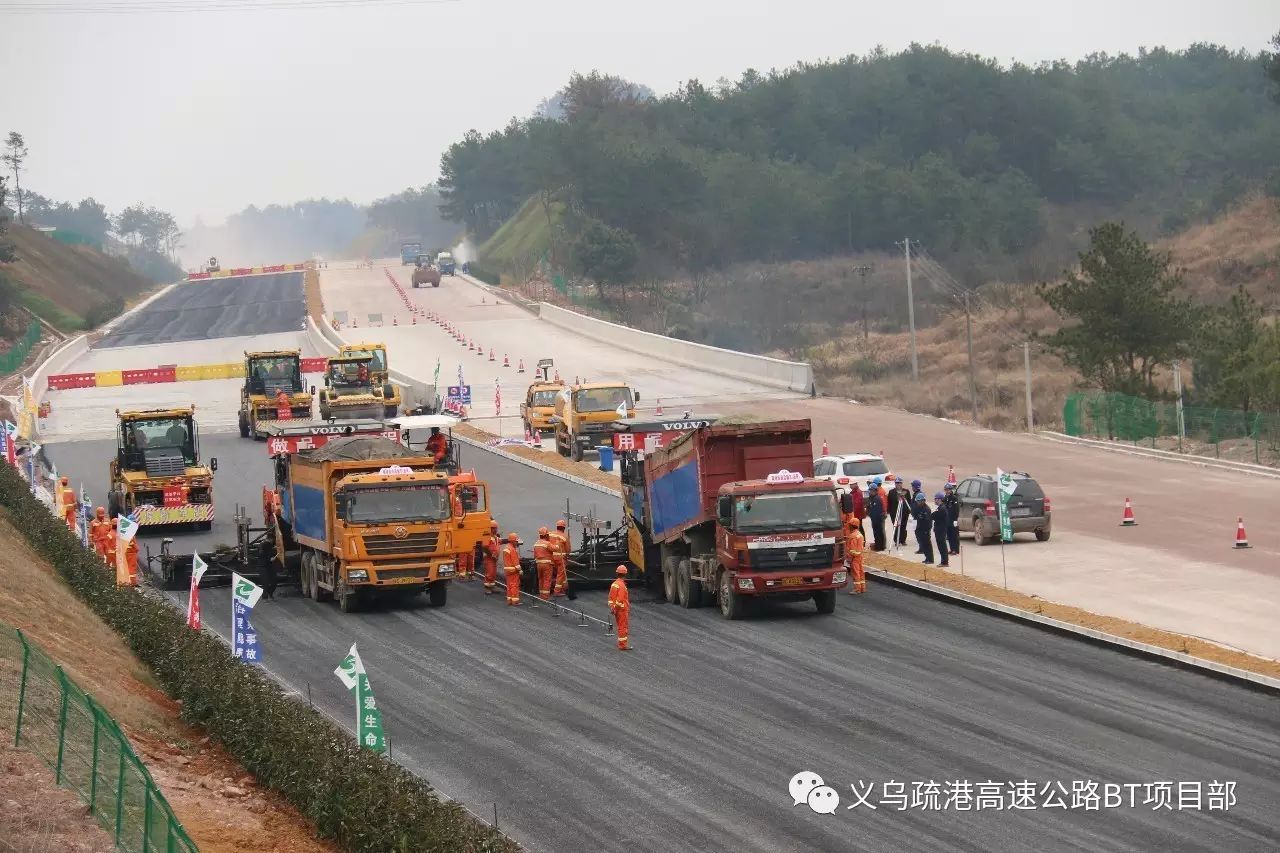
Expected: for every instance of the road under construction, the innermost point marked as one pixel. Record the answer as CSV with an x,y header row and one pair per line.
x,y
689,742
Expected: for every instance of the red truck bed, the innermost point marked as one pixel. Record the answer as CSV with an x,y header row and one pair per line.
x,y
682,481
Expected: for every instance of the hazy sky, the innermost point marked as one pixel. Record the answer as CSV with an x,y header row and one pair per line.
x,y
202,113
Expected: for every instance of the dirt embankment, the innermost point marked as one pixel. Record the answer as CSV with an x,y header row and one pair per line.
x,y
217,801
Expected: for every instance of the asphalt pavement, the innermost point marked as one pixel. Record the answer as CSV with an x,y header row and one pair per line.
x,y
215,308
689,742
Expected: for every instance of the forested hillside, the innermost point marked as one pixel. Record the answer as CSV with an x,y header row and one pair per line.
x,y
975,160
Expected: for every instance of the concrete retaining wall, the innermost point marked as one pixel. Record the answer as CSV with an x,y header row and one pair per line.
x,y
62,358
791,375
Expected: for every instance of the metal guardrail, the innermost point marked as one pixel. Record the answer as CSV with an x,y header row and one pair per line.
x,y
88,753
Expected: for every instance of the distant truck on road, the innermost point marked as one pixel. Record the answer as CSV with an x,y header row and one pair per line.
x,y
731,513
446,263
409,251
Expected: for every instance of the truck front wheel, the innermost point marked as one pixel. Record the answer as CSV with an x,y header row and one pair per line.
x,y
348,598
575,451
690,590
826,600
731,604
439,593
244,425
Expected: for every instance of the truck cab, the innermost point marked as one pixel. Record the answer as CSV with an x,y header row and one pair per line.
x,y
409,251
266,376
157,474
584,414
539,406
446,263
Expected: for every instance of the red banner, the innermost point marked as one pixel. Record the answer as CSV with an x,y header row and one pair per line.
x,y
195,276
646,441
275,268
193,604
62,381
293,443
314,365
174,496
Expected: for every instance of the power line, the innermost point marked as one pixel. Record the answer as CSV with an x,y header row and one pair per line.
x,y
143,7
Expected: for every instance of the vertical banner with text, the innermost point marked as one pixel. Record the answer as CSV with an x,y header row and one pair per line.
x,y
368,716
244,639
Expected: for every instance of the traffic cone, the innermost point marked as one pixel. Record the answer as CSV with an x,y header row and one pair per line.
x,y
471,346
395,320
506,362
1242,539
1128,520
825,451
951,477
658,410
528,435
520,369
413,321
491,358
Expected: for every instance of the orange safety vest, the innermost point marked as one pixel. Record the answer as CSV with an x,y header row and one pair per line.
x,y
542,551
619,598
510,557
560,542
491,547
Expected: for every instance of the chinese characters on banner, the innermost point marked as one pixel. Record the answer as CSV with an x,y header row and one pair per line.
x,y
244,639
368,716
1003,492
193,599
497,397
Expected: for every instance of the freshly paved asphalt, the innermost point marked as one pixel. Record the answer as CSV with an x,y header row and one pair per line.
x,y
688,742
215,308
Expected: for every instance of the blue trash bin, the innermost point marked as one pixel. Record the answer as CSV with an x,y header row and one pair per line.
x,y
606,457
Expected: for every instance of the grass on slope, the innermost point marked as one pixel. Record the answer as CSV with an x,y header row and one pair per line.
x,y
516,247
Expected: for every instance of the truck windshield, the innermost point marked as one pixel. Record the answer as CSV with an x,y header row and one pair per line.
x,y
275,373
546,398
602,399
175,435
397,503
780,513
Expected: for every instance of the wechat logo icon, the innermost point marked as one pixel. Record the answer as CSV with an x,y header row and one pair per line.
x,y
807,787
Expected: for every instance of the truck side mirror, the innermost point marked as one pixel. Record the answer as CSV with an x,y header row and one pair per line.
x,y
313,390
637,395
725,510
213,463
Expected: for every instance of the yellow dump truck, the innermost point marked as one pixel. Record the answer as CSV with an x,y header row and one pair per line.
x,y
584,415
272,390
539,406
369,516
379,375
157,474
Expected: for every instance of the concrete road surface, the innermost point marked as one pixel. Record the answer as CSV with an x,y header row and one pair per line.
x,y
509,331
247,305
689,742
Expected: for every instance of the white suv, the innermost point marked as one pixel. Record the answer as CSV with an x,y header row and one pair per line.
x,y
847,469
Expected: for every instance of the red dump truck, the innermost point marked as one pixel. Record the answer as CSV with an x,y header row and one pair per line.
x,y
730,513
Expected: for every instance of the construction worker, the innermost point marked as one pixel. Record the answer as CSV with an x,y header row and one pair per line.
x,y
560,547
492,546
131,560
620,606
875,514
98,528
855,544
941,524
952,502
70,505
924,524
437,445
109,543
511,566
282,399
542,557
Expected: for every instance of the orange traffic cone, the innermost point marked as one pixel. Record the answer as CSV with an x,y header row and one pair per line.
x,y
413,321
395,320
506,362
1128,520
471,346
520,369
1242,539
491,354
825,450
951,474
658,410
528,435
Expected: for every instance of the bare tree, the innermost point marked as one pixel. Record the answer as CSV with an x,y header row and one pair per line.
x,y
15,154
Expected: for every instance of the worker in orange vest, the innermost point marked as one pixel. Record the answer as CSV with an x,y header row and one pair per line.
x,y
560,547
492,545
620,605
511,566
109,544
70,506
98,528
855,544
542,557
131,560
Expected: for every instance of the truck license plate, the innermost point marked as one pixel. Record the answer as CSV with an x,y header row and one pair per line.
x,y
792,581
1020,511
404,580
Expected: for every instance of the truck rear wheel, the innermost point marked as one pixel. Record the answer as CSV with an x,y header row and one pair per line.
x,y
826,600
731,604
669,579
304,575
575,451
690,590
439,593
244,425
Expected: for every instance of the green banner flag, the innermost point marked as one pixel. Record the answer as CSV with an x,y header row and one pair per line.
x,y
368,716
1005,490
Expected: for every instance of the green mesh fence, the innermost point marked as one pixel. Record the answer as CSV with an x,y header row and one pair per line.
x,y
63,726
17,354
1124,418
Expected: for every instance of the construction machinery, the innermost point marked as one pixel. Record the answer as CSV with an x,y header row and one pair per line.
x,y
731,513
409,251
425,273
213,265
157,475
379,375
584,414
349,390
539,406
273,390
255,547
367,516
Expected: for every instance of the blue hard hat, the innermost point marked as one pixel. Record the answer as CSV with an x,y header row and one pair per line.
x,y
937,496
919,496
877,481
915,484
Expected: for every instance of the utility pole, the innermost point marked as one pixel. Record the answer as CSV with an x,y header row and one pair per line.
x,y
1026,361
863,270
1177,389
973,378
911,313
